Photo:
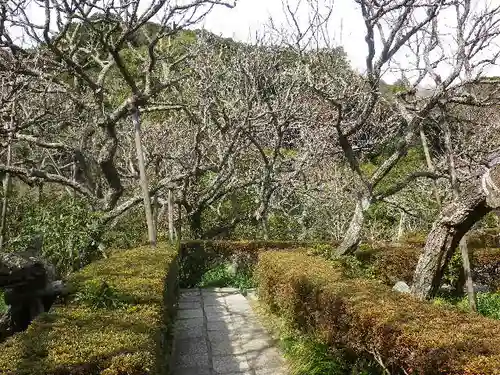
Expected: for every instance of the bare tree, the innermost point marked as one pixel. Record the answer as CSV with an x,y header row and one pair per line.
x,y
96,64
471,151
359,110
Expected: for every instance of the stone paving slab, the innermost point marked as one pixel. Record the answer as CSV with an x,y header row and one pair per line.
x,y
217,333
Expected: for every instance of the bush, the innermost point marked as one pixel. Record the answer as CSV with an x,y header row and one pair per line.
x,y
199,257
127,231
223,275
369,319
69,228
484,238
390,264
307,355
486,267
488,304
114,323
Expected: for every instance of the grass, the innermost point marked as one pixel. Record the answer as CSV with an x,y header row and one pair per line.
x,y
3,306
488,304
222,276
307,355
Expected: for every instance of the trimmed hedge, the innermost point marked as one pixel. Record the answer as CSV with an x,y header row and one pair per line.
x,y
391,264
476,239
198,256
369,319
486,267
116,321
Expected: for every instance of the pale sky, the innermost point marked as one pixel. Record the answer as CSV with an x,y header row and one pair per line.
x,y
250,16
346,29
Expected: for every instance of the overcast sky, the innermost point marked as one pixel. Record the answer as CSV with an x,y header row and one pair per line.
x,y
250,16
346,28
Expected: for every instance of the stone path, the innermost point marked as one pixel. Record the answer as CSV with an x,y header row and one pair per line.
x,y
216,332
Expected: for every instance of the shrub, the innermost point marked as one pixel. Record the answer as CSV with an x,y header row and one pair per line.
x,y
127,231
391,264
223,275
322,249
488,304
352,267
369,319
199,257
69,229
486,267
115,323
484,238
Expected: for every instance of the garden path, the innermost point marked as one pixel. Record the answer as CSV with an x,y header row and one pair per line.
x,y
217,333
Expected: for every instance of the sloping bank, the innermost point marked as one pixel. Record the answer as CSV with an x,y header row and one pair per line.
x,y
116,321
402,334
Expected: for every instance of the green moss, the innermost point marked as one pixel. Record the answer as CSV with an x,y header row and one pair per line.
x,y
91,334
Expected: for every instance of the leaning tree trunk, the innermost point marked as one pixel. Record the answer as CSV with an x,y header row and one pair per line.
x,y
453,223
144,179
170,210
464,251
5,198
352,236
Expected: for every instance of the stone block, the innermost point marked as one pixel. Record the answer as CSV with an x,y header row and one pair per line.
x,y
189,314
224,364
190,346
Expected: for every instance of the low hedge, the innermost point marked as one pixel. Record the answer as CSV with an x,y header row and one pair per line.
x,y
392,264
369,319
115,321
198,256
476,239
486,267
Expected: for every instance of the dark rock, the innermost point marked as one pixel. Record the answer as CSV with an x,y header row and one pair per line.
x,y
30,289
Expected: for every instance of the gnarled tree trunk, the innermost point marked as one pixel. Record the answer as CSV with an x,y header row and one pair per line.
x,y
196,225
455,220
